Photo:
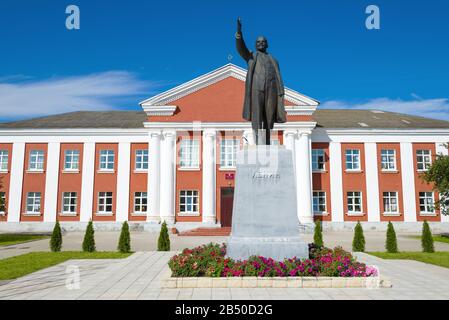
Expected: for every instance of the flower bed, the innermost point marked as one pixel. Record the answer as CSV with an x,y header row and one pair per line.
x,y
211,261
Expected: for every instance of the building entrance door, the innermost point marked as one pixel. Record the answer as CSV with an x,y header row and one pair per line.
x,y
226,203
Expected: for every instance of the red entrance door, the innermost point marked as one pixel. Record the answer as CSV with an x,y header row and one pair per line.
x,y
227,201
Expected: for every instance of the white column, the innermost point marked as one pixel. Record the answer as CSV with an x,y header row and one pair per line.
x,y
209,184
15,188
87,184
168,177
408,182
51,182
304,177
154,176
441,149
372,182
336,182
249,137
123,176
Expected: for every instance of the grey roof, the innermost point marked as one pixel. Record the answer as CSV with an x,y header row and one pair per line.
x,y
327,118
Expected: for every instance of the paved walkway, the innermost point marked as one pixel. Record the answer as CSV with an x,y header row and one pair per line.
x,y
146,241
138,277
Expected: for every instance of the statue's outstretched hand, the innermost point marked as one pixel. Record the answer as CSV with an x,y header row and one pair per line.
x,y
239,25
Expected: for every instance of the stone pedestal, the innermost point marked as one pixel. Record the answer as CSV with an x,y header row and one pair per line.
x,y
264,219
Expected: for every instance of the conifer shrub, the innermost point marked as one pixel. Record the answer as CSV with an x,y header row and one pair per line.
x,y
124,243
318,234
427,239
56,238
89,240
163,243
391,243
358,243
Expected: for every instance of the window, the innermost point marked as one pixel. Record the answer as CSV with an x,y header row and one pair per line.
x,y
228,153
69,200
275,142
319,202
4,160
318,159
423,159
426,202
2,202
140,202
189,153
36,160
354,202
390,200
353,159
142,159
105,202
71,160
188,201
107,160
388,160
33,202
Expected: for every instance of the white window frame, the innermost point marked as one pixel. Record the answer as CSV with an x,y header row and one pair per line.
x,y
353,154
228,156
140,196
184,194
4,158
390,163
36,203
189,154
36,161
350,202
70,196
424,164
105,163
3,200
316,154
423,195
317,195
387,198
105,195
140,163
73,165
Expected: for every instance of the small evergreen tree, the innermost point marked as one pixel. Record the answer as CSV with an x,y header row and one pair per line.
x,y
163,243
318,234
358,243
56,238
89,240
391,244
427,239
124,243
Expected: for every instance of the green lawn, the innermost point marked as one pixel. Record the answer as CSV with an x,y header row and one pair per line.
x,y
437,258
15,267
435,238
9,239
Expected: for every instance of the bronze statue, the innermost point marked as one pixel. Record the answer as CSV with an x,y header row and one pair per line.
x,y
264,89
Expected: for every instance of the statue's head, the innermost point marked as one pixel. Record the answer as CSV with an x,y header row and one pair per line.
x,y
261,44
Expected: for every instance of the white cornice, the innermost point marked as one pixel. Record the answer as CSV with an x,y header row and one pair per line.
x,y
189,126
229,70
380,131
159,110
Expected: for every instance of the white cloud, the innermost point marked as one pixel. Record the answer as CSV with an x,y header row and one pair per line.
x,y
21,97
429,108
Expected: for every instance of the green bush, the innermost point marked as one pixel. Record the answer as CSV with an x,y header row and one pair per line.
x,y
56,238
89,240
163,243
318,234
427,239
391,244
358,243
124,243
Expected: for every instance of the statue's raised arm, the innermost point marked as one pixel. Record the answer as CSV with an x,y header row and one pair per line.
x,y
240,43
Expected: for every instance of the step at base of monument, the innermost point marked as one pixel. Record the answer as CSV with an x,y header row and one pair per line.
x,y
206,232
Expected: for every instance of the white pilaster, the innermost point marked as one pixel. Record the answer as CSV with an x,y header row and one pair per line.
x,y
87,184
336,182
372,182
209,182
168,177
51,182
154,176
442,150
408,182
15,188
304,177
123,175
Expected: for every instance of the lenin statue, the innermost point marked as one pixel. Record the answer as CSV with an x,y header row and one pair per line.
x,y
264,89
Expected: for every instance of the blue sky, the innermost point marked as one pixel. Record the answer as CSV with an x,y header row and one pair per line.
x,y
127,51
